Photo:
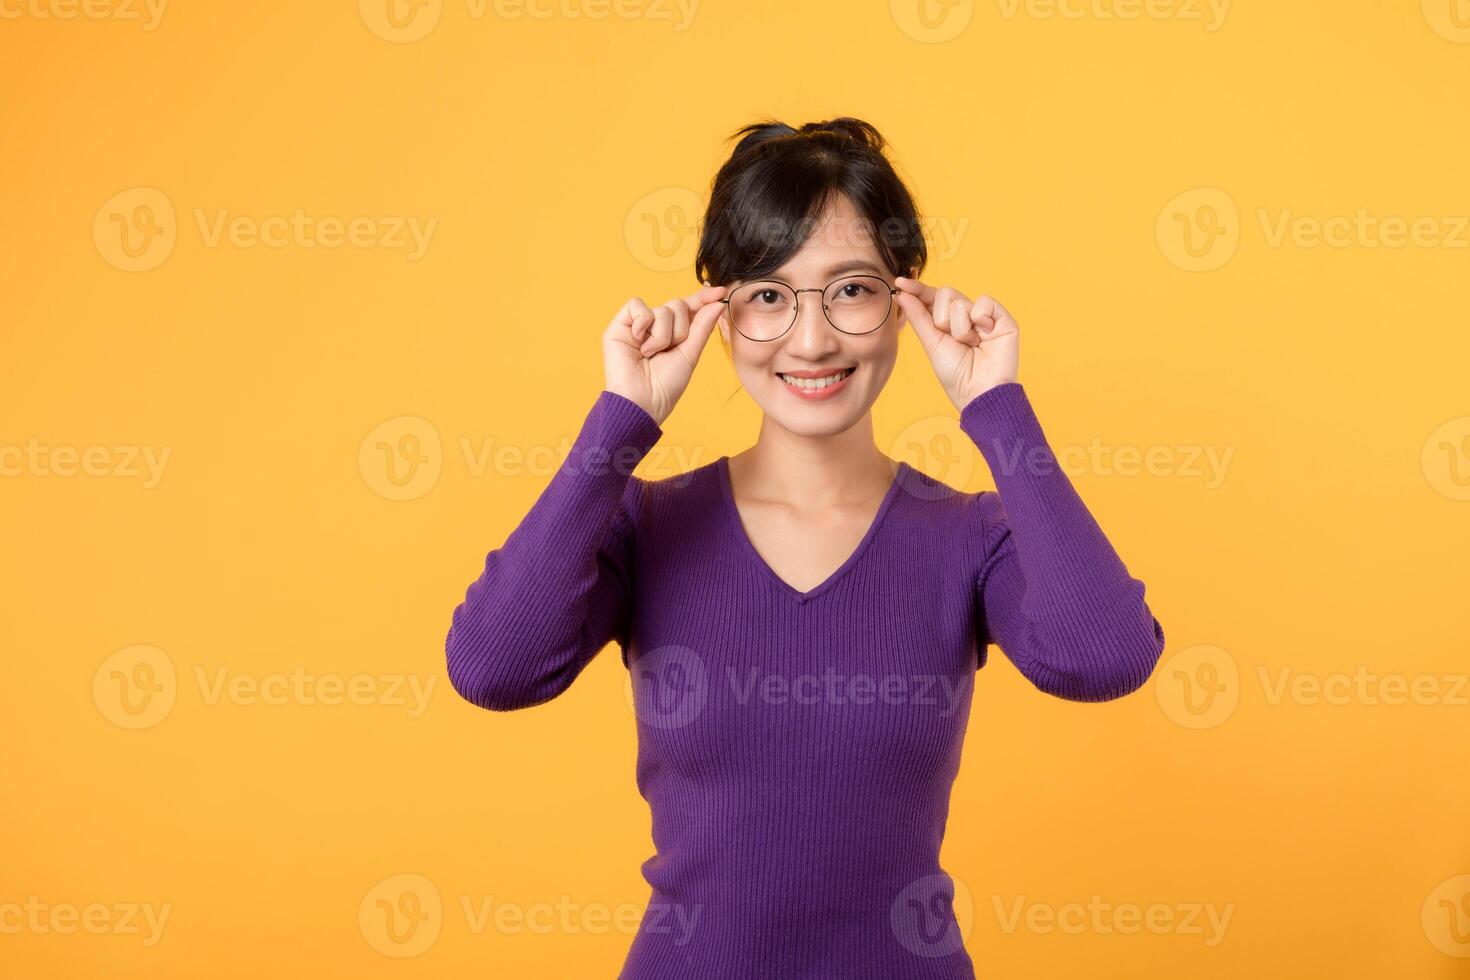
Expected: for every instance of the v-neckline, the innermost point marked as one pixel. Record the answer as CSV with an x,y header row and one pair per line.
x,y
732,512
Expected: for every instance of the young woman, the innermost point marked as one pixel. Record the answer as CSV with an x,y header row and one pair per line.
x,y
803,620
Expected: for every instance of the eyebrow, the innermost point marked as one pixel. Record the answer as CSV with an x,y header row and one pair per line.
x,y
851,265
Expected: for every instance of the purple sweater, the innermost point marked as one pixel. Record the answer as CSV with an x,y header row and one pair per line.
x,y
797,749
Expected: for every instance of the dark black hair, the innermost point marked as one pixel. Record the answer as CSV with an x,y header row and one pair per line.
x,y
767,197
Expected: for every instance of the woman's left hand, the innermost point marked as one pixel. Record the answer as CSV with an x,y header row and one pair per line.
x,y
973,346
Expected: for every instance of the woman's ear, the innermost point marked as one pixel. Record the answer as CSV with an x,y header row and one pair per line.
x,y
724,327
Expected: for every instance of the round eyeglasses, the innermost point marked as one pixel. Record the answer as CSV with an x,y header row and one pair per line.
x,y
764,310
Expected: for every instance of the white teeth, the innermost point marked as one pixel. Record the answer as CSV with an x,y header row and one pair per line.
x,y
816,383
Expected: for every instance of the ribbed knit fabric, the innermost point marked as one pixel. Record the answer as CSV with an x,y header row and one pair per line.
x,y
797,749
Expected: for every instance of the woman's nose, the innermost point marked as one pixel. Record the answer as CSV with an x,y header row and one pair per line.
x,y
811,334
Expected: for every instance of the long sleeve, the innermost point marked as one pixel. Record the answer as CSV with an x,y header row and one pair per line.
x,y
1050,590
558,590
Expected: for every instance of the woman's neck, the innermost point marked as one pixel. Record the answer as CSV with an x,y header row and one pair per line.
x,y
814,471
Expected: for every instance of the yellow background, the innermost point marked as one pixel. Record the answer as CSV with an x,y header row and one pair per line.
x,y
563,158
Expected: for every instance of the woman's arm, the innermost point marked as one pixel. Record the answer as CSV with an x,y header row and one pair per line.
x,y
558,590
1052,591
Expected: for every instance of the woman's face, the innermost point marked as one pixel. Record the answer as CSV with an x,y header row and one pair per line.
x,y
840,246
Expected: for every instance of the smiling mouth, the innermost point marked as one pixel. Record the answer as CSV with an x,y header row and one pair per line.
x,y
816,384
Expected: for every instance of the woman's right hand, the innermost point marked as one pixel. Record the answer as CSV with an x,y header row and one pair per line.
x,y
649,354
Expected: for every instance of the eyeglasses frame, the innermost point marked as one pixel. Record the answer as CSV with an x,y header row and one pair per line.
x,y
796,306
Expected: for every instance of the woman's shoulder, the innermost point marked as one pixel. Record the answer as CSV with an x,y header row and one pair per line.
x,y
940,496
935,502
673,484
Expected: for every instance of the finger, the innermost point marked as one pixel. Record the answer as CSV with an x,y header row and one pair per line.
x,y
680,309
919,318
660,333
914,287
707,294
641,318
701,325
960,326
944,299
987,314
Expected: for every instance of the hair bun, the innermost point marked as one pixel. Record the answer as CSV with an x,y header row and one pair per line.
x,y
757,133
856,130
